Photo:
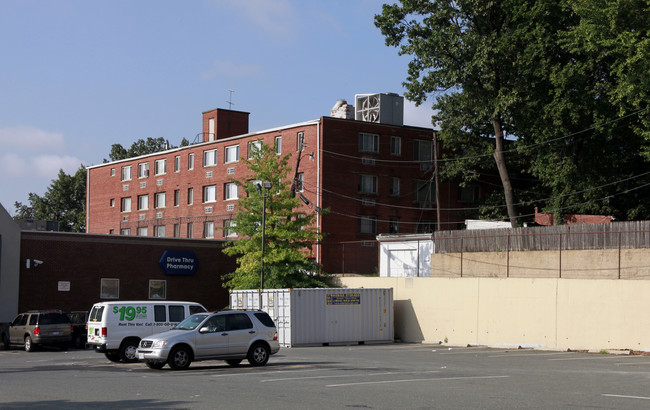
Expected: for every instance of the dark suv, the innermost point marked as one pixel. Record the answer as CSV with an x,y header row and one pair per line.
x,y
78,320
37,328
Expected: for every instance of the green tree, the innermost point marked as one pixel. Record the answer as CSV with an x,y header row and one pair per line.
x,y
552,75
289,233
140,147
63,202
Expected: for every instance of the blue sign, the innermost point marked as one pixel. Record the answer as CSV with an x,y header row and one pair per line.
x,y
178,263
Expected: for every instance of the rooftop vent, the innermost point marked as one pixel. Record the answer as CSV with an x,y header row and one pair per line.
x,y
384,108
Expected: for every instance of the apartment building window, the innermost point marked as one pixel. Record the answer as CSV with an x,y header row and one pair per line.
x,y
230,191
177,163
423,193
143,202
394,186
300,182
112,202
210,158
368,142
160,166
395,146
468,193
210,193
190,196
208,229
125,231
367,184
177,230
228,228
254,145
126,204
159,200
232,154
426,227
143,170
368,225
112,172
143,231
190,161
393,225
177,197
126,173
159,231
278,145
422,150
190,230
300,146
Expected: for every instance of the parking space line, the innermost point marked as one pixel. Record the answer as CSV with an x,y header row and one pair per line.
x,y
603,357
417,380
347,375
627,397
528,354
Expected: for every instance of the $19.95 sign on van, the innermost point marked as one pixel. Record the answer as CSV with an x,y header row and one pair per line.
x,y
178,263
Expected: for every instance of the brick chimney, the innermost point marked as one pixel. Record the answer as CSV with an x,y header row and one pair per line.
x,y
221,123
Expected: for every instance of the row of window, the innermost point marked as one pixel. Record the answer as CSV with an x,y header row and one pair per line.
x,y
230,193
160,231
110,289
368,225
231,155
422,149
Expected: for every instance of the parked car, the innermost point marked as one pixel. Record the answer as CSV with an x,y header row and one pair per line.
x,y
231,335
39,328
78,320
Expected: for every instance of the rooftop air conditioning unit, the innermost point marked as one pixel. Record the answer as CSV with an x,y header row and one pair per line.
x,y
385,108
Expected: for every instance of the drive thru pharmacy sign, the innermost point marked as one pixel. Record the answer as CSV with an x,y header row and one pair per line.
x,y
178,263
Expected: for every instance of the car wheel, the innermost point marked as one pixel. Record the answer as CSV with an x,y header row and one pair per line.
x,y
127,350
112,356
79,342
29,346
258,354
233,362
154,365
179,358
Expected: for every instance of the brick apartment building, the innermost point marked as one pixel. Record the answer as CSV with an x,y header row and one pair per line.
x,y
373,173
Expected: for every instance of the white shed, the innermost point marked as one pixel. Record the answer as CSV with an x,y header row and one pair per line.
x,y
405,255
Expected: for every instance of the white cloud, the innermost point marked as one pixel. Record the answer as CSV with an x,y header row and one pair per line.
x,y
275,17
12,165
28,138
222,68
49,165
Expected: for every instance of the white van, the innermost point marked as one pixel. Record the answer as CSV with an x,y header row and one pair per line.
x,y
115,328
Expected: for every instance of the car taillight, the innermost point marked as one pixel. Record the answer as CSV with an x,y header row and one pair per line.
x,y
71,329
104,332
37,331
275,336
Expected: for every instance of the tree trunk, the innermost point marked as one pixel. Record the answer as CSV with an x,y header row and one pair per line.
x,y
503,171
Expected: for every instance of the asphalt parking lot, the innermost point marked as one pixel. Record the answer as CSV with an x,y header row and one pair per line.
x,y
384,376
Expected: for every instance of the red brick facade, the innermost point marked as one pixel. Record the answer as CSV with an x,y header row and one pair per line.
x,y
365,173
73,266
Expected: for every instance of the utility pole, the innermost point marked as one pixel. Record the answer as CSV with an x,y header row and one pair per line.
x,y
435,170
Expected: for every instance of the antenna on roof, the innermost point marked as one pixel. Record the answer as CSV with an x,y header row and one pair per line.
x,y
230,103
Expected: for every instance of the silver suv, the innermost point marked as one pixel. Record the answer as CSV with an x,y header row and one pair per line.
x,y
231,335
39,327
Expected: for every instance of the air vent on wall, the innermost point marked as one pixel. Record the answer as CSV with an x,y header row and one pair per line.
x,y
208,209
230,208
231,171
208,174
143,184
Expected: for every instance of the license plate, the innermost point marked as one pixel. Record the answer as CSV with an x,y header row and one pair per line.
x,y
56,333
141,356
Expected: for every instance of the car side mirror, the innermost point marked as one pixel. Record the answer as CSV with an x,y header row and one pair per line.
x,y
204,330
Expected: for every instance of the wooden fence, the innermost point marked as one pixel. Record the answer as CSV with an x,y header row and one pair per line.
x,y
617,235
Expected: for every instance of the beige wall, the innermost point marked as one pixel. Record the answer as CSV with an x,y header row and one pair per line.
x,y
548,313
573,264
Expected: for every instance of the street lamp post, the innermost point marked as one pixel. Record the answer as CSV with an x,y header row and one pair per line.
x,y
265,192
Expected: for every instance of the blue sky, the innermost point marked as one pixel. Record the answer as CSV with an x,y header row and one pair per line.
x,y
78,76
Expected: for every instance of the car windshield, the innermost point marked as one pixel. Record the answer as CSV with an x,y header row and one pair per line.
x,y
191,322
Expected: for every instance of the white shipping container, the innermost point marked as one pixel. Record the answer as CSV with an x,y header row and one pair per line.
x,y
321,316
